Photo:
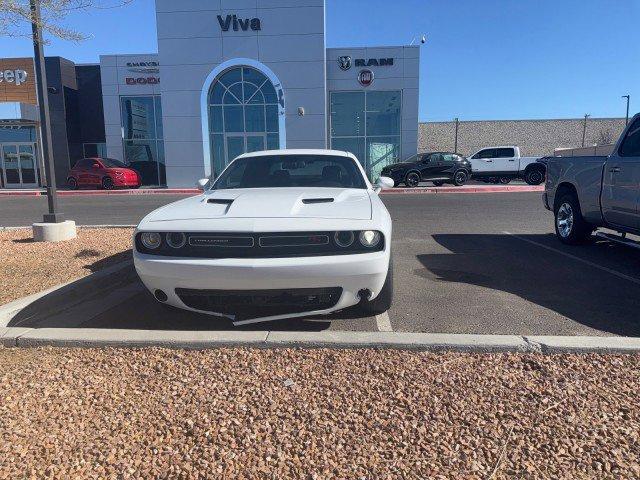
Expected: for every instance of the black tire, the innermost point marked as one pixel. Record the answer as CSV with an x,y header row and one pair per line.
x,y
72,183
571,227
412,179
438,183
107,183
534,176
383,301
460,178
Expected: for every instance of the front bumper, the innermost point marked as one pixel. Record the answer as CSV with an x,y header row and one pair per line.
x,y
125,182
351,273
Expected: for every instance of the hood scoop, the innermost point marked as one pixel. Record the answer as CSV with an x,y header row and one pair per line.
x,y
220,201
317,200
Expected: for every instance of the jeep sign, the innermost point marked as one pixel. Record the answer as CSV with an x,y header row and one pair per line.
x,y
13,76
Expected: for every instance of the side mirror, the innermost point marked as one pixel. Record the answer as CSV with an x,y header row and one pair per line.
x,y
202,183
383,183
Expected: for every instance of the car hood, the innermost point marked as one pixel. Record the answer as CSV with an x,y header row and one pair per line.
x,y
262,203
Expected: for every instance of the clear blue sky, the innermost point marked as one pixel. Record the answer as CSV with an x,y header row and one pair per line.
x,y
484,59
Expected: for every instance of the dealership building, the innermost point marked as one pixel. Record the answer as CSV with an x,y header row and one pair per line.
x,y
230,76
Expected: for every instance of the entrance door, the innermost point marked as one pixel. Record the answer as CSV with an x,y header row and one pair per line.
x,y
19,165
240,143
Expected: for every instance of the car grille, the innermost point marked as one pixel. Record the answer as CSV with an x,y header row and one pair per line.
x,y
248,304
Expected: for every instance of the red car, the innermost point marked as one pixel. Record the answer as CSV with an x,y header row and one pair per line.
x,y
105,173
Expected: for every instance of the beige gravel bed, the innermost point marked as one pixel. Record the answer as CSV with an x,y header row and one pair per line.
x,y
317,414
28,267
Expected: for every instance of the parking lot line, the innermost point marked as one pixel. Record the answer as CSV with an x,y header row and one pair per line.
x,y
383,322
578,259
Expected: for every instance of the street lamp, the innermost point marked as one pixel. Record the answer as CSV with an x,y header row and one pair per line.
x,y
584,128
626,119
54,227
455,143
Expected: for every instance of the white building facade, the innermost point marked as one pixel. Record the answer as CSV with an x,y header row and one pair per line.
x,y
247,75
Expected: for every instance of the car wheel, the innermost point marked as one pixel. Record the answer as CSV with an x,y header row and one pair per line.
x,y
383,301
107,183
438,183
505,180
412,179
571,227
72,183
460,178
534,176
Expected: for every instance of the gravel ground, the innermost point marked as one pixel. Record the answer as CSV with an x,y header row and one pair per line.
x,y
317,414
28,267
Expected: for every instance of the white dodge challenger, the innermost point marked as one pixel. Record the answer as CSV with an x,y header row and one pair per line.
x,y
279,234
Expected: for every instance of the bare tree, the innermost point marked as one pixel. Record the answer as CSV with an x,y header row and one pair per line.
x,y
605,137
15,16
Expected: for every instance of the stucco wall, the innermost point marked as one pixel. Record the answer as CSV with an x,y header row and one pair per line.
x,y
534,137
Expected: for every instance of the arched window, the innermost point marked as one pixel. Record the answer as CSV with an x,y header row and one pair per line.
x,y
243,115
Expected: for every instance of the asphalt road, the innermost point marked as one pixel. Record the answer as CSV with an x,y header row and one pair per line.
x,y
464,263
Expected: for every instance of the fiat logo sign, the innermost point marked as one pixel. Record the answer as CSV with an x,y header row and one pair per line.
x,y
365,77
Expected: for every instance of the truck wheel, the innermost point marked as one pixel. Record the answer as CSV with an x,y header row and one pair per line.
x,y
460,178
571,228
412,179
383,301
534,176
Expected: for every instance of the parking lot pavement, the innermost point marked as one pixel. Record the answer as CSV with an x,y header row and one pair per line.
x,y
486,263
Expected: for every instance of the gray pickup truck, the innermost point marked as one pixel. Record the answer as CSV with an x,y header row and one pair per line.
x,y
587,193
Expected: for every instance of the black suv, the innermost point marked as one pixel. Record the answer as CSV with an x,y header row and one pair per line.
x,y
436,167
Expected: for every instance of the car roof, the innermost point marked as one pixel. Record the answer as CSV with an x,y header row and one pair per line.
x,y
299,151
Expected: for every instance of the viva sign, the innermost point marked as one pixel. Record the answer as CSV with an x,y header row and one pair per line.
x,y
231,21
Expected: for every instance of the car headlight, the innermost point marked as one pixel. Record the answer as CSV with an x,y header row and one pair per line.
x,y
151,240
344,239
369,238
176,239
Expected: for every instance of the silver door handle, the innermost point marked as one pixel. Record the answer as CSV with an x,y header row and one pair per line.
x,y
615,170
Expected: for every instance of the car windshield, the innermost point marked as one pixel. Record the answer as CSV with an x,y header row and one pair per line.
x,y
291,171
113,163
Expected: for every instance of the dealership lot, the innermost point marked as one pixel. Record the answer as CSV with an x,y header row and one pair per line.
x,y
472,263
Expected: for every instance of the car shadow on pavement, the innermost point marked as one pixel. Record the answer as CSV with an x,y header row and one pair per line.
x,y
576,290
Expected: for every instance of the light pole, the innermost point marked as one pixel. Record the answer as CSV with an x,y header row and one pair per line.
x,y
455,142
54,216
626,119
584,128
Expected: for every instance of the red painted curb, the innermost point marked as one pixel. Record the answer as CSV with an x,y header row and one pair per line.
x,y
423,190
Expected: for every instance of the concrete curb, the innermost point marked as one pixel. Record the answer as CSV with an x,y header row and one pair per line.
x,y
190,191
100,338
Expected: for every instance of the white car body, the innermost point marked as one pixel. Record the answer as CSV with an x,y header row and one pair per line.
x,y
270,210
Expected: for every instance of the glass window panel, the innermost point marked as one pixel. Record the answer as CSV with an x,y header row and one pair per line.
x,y
269,93
272,118
14,133
254,76
216,93
162,172
159,130
11,167
229,99
353,145
255,143
230,77
257,98
381,151
254,118
383,113
233,121
138,119
218,161
141,155
28,164
273,141
249,90
347,114
236,90
90,150
235,147
215,119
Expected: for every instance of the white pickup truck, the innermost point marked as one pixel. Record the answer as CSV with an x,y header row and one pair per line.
x,y
503,164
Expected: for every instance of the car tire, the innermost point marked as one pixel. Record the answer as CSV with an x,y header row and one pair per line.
x,y
107,183
534,176
505,180
571,227
438,183
72,183
460,178
412,179
383,301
